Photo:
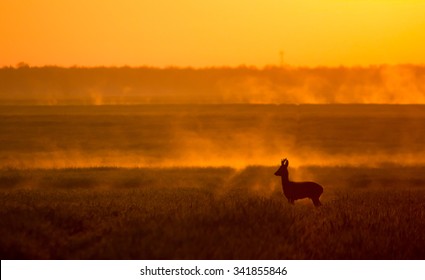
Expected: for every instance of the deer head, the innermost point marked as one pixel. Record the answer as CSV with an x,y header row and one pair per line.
x,y
283,169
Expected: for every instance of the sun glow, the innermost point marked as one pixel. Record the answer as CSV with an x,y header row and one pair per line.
x,y
211,33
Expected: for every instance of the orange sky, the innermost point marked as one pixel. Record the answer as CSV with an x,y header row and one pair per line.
x,y
211,32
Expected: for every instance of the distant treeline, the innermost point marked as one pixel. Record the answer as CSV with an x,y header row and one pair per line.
x,y
124,85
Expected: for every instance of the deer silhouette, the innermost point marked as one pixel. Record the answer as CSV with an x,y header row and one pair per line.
x,y
298,190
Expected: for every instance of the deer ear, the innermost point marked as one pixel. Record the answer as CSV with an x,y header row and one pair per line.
x,y
285,162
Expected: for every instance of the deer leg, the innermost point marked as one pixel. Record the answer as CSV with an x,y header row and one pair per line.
x,y
316,202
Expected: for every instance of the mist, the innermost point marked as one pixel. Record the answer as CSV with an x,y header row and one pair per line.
x,y
385,84
211,135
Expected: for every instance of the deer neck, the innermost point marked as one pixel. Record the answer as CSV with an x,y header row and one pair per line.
x,y
285,180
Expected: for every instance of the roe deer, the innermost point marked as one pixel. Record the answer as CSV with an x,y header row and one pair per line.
x,y
298,190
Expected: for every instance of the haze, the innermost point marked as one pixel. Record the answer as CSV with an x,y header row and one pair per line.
x,y
161,33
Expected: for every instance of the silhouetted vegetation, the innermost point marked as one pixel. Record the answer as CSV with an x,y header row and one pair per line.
x,y
208,213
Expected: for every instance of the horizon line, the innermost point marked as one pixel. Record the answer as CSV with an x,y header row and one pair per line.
x,y
24,65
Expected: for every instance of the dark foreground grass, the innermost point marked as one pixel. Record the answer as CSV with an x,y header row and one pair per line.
x,y
200,213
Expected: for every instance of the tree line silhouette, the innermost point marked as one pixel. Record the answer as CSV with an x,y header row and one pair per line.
x,y
145,85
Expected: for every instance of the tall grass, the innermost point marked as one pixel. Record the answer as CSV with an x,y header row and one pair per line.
x,y
202,213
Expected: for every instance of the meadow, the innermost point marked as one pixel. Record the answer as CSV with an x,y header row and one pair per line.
x,y
210,135
206,213
196,182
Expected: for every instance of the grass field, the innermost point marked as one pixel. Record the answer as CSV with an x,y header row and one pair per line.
x,y
208,213
210,135
196,182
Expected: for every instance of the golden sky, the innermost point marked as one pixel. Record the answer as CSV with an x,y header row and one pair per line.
x,y
211,32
